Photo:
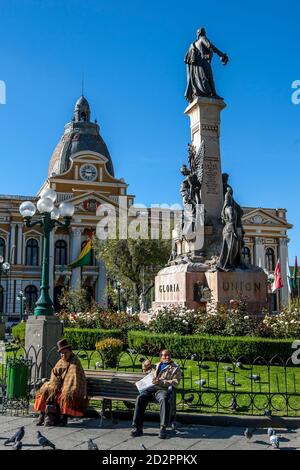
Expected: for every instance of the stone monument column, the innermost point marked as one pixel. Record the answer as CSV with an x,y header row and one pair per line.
x,y
204,113
75,252
284,256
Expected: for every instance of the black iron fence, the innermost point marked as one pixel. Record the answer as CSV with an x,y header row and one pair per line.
x,y
208,385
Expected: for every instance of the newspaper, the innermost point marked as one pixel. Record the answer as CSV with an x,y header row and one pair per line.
x,y
145,382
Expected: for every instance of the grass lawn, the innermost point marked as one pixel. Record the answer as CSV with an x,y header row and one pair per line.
x,y
216,394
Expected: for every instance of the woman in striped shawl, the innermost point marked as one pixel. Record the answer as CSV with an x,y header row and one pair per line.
x,y
65,393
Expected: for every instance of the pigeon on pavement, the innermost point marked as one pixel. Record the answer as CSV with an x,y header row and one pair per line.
x,y
43,441
274,441
17,445
248,434
18,436
92,445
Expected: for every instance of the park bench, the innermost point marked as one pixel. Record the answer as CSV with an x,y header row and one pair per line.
x,y
108,386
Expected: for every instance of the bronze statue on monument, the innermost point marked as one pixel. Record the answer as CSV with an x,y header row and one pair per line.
x,y
200,81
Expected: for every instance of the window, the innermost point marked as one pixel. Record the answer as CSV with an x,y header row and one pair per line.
x,y
31,295
32,252
2,247
61,252
246,255
270,259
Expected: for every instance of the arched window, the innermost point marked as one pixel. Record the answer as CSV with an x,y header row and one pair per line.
x,y
31,294
91,254
246,255
32,252
270,259
60,252
2,247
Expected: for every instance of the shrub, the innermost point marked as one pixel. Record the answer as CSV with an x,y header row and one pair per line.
x,y
110,348
103,320
173,319
78,338
86,338
284,325
214,346
18,333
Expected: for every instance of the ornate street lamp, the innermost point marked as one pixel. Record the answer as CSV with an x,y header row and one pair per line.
x,y
21,297
48,220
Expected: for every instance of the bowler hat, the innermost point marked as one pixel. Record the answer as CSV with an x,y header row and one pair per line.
x,y
63,344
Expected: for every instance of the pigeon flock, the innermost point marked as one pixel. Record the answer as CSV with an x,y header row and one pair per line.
x,y
273,437
16,439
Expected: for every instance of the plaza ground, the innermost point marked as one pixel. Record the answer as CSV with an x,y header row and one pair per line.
x,y
116,436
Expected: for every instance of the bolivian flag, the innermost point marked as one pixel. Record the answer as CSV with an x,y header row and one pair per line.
x,y
85,257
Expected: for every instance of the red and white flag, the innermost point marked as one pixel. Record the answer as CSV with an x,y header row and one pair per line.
x,y
277,284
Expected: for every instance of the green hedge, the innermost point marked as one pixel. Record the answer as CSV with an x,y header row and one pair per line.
x,y
79,338
227,347
86,338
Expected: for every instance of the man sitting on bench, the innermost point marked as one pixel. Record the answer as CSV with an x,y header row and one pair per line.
x,y
166,375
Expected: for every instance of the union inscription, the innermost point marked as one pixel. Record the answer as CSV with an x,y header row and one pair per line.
x,y
242,286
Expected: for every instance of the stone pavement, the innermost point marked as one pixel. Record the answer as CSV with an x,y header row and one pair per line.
x,y
116,436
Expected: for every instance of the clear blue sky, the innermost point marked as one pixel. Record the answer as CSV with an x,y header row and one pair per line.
x,y
131,53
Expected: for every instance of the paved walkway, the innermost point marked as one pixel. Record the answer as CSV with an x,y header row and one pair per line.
x,y
117,436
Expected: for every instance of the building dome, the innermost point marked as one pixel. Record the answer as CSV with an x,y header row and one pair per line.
x,y
80,135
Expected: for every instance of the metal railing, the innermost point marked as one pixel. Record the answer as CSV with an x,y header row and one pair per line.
x,y
208,385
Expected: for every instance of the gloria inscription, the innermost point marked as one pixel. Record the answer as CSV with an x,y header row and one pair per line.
x,y
169,288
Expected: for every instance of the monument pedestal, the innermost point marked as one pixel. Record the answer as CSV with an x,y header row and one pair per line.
x,y
42,334
184,285
252,286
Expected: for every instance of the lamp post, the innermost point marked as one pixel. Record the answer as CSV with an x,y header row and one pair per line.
x,y
4,268
118,287
48,220
22,298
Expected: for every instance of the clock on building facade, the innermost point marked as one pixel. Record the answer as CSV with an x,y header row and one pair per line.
x,y
88,172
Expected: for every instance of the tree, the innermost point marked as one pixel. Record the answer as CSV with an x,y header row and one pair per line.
x,y
134,261
75,300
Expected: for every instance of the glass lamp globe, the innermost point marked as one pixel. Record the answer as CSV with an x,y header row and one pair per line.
x,y
66,209
27,209
55,214
6,266
1,259
45,204
49,193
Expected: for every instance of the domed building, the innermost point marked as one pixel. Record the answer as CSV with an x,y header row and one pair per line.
x,y
80,135
81,172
